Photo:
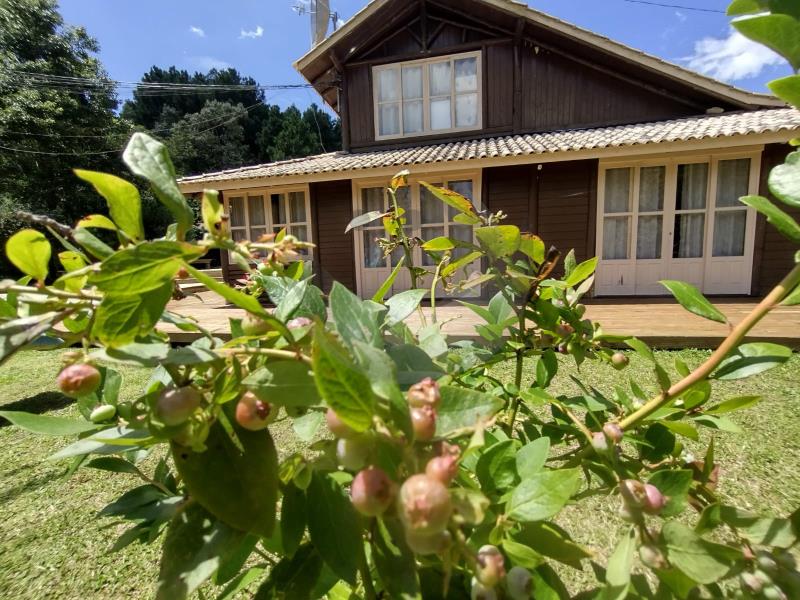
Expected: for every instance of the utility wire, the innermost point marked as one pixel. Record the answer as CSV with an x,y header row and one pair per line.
x,y
679,7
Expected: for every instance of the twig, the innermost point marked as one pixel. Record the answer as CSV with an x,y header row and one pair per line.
x,y
43,221
282,354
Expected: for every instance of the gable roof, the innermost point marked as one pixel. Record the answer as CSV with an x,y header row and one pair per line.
x,y
783,123
589,38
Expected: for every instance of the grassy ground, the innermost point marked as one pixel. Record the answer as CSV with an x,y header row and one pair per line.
x,y
51,546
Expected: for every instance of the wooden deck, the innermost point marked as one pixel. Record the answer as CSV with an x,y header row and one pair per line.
x,y
659,322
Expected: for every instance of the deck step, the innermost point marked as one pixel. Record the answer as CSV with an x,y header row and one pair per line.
x,y
191,284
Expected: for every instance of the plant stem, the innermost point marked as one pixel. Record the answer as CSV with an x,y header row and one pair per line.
x,y
785,287
270,352
45,291
433,291
407,251
366,576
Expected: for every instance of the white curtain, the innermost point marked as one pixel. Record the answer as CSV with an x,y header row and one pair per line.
x,y
689,235
412,100
649,236
258,215
733,182
618,191
440,89
615,238
237,212
389,95
692,186
729,232
651,189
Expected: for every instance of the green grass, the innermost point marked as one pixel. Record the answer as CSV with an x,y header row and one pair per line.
x,y
51,545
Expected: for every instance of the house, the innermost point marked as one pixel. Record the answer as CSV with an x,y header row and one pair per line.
x,y
591,144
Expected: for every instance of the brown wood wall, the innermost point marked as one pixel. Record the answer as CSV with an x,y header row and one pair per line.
x,y
335,256
774,254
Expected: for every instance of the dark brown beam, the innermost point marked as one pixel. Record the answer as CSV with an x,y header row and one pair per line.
x,y
431,53
423,11
344,105
380,32
496,30
517,101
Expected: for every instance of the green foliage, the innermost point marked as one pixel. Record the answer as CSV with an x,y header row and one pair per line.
x,y
693,300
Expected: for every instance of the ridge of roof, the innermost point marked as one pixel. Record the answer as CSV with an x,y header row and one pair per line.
x,y
570,29
743,123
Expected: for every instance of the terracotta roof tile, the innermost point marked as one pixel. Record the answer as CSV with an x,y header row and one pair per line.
x,y
565,141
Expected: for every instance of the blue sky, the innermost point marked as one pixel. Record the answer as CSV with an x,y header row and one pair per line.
x,y
262,38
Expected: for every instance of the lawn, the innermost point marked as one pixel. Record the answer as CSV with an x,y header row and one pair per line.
x,y
51,546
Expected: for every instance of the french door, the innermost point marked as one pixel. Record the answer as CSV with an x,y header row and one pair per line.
x,y
426,218
676,219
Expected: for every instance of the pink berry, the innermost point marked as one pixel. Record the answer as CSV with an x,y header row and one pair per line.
x,y
655,500
425,545
254,414
491,566
613,432
337,426
175,406
424,505
620,361
299,323
372,492
633,493
79,380
443,468
424,393
599,442
423,420
564,330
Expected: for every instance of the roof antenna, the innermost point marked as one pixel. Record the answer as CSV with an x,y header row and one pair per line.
x,y
321,18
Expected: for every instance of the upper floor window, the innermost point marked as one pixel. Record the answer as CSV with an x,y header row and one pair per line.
x,y
437,95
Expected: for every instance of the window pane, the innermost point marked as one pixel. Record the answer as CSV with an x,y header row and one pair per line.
x,y
372,200
648,243
440,114
440,79
297,207
404,202
412,83
237,212
618,191
373,255
388,85
651,189
300,232
278,209
258,216
615,238
729,233
431,208
689,236
412,117
467,75
467,110
397,256
429,233
462,187
733,182
462,233
255,234
389,119
239,235
692,187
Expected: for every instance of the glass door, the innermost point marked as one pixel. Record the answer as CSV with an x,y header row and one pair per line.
x,y
617,275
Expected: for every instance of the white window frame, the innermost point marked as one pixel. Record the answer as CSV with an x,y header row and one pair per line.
x,y
426,95
270,226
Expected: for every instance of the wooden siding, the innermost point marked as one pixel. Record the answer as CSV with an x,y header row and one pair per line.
x,y
331,207
361,114
774,254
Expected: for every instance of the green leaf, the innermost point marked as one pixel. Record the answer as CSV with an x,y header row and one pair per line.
x,y
675,486
113,464
457,201
497,467
386,286
284,383
779,32
96,222
194,548
532,246
334,526
521,555
781,220
394,561
212,212
641,348
734,404
402,305
293,518
353,320
119,320
143,268
294,577
738,8
439,244
784,181
365,219
752,359
681,428
582,272
47,425
787,89
87,240
692,300
116,440
149,158
344,387
720,423
16,334
499,241
29,251
762,531
543,495
703,561
532,457
291,301
461,410
549,540
124,202
240,489
462,262
620,566
241,582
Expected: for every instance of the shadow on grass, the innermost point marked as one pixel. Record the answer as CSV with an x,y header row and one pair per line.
x,y
37,482
38,404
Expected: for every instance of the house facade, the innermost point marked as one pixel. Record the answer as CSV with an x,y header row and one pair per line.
x,y
590,144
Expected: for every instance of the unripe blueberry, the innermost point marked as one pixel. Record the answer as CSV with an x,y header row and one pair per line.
x,y
652,557
620,361
491,566
443,468
424,505
79,380
103,413
352,453
372,492
613,432
655,500
599,442
299,323
481,591
564,330
767,563
254,414
337,426
175,406
254,326
773,592
424,393
519,584
423,420
427,544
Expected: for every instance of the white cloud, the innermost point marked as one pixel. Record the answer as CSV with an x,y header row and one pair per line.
x,y
732,58
681,17
206,63
256,33
197,31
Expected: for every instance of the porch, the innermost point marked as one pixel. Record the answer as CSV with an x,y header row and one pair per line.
x,y
660,322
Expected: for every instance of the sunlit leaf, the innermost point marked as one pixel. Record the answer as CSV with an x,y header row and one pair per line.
x,y
122,197
692,300
457,201
781,220
29,251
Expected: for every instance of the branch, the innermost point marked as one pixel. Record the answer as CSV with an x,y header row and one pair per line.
x,y
46,222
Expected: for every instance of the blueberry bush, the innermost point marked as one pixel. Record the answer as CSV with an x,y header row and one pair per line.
x,y
422,475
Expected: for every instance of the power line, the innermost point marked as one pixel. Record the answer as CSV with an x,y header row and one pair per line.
x,y
679,7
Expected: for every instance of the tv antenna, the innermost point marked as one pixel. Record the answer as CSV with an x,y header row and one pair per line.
x,y
321,18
